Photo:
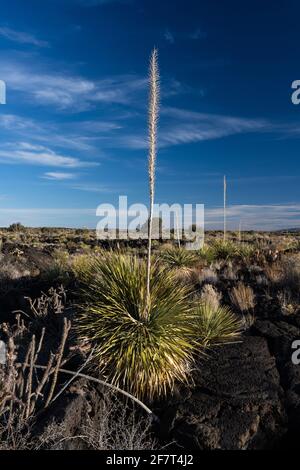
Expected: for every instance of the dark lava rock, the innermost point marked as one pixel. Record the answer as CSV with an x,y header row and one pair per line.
x,y
280,336
236,402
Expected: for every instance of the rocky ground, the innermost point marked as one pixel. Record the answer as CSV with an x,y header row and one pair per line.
x,y
245,396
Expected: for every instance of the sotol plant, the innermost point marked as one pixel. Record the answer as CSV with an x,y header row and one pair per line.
x,y
143,356
216,325
178,258
138,315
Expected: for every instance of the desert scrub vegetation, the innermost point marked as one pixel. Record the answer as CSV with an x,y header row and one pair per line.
x,y
113,425
30,382
24,390
216,324
210,296
178,258
224,249
144,356
242,297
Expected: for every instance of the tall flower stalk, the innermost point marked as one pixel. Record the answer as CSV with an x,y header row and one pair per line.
x,y
225,197
152,129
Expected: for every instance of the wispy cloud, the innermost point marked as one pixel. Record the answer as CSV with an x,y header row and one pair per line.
x,y
180,126
196,127
92,188
255,217
58,176
198,34
74,135
67,91
169,37
27,153
21,37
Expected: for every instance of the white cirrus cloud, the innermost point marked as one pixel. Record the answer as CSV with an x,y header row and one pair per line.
x,y
169,37
21,37
182,127
91,188
31,154
58,176
67,91
198,34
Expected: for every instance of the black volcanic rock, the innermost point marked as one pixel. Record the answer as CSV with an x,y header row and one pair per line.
x,y
236,402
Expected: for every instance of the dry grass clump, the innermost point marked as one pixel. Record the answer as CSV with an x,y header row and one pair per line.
x,y
112,426
274,273
290,266
204,275
210,296
243,298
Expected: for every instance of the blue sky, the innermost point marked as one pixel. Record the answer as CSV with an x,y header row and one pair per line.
x,y
73,131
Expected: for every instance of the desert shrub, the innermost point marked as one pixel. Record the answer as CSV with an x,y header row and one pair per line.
x,y
245,250
224,249
242,297
230,272
273,273
58,269
24,388
210,296
207,254
289,305
80,265
248,320
290,267
16,227
114,426
204,275
216,325
178,258
144,356
11,269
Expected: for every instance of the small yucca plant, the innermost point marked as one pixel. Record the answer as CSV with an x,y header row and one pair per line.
x,y
145,356
224,249
178,258
246,251
216,325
